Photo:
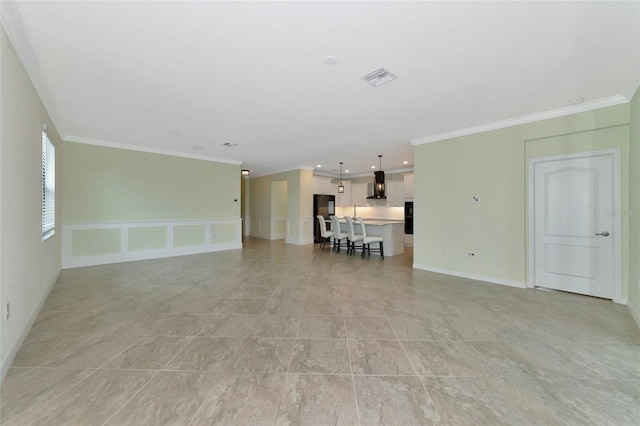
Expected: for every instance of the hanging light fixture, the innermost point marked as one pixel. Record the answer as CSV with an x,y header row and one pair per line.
x,y
380,179
341,186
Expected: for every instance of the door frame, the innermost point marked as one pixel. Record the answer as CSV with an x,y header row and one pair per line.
x,y
614,154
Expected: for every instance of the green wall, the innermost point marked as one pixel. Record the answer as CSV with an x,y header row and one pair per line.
x,y
493,166
634,208
279,198
103,184
447,225
29,266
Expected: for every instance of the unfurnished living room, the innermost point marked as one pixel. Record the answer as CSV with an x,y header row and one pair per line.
x,y
319,213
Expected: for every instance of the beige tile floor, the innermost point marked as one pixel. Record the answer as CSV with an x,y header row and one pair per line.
x,y
288,335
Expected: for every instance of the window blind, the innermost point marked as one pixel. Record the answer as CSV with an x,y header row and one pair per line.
x,y
48,186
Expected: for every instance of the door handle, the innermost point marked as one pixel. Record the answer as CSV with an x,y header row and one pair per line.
x,y
604,234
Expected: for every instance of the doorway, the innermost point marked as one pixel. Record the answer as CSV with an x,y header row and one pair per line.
x,y
575,235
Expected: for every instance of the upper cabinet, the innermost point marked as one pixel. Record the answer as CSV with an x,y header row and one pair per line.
x,y
408,186
394,192
322,185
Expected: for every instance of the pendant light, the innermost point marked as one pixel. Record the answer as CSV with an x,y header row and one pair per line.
x,y
380,181
341,186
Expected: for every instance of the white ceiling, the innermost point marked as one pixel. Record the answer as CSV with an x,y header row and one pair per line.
x,y
168,76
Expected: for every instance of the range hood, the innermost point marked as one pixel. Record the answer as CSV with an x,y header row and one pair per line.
x,y
376,190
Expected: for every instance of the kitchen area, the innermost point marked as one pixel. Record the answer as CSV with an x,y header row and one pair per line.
x,y
384,202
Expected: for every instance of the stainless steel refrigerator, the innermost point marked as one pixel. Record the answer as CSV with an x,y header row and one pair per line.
x,y
324,205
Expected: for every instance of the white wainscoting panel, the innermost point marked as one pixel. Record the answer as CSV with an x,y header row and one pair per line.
x,y
260,227
299,231
72,259
278,228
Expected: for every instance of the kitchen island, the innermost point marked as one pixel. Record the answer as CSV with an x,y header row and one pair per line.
x,y
391,231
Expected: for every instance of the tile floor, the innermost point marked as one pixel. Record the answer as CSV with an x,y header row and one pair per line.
x,y
288,335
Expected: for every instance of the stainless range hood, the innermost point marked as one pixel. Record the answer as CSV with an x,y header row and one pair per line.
x,y
376,190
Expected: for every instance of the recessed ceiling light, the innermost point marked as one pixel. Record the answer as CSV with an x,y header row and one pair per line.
x,y
197,148
373,167
319,165
346,171
577,101
174,132
405,162
330,60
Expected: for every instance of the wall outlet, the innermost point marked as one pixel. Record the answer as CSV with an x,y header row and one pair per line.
x,y
7,311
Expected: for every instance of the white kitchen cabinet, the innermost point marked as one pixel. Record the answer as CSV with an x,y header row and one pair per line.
x,y
359,194
408,186
395,194
322,185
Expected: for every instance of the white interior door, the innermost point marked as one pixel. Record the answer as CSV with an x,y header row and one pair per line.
x,y
573,225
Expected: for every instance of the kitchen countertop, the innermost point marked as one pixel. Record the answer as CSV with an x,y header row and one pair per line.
x,y
372,221
381,222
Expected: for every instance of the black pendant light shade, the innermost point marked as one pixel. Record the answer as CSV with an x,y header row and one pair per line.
x,y
380,179
341,186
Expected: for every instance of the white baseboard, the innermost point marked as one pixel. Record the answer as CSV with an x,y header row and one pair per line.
x,y
78,262
6,363
484,278
635,314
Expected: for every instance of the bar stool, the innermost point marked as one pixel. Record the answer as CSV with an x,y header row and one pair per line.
x,y
324,234
338,235
352,237
368,239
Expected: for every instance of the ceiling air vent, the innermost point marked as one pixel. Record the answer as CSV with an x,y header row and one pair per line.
x,y
379,77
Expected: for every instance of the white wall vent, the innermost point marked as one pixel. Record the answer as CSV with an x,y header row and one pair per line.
x,y
379,77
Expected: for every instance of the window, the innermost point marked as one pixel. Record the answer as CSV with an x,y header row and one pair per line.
x,y
48,186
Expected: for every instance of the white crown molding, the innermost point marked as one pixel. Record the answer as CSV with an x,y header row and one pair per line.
x,y
290,169
357,175
129,147
545,115
19,37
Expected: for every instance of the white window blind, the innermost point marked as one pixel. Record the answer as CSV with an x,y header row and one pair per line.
x,y
48,186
